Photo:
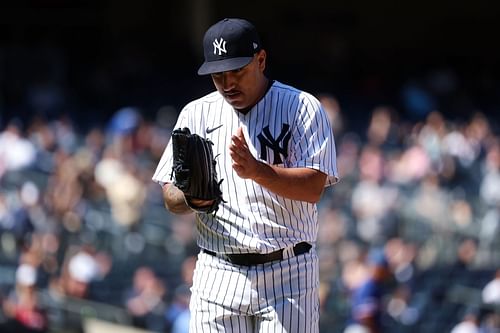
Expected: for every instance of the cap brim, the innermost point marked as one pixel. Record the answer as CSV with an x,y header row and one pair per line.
x,y
223,65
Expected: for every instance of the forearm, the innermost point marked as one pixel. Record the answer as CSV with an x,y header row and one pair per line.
x,y
174,200
303,184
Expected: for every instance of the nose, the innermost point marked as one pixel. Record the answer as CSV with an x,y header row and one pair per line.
x,y
228,81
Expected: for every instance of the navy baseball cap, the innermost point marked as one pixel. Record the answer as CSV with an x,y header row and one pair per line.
x,y
228,45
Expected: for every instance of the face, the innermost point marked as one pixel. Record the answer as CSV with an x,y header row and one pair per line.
x,y
243,87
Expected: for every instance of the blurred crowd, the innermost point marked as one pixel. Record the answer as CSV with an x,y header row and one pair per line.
x,y
408,238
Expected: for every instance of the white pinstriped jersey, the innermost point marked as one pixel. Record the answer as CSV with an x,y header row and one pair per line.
x,y
288,128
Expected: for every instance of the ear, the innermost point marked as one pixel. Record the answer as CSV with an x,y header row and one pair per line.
x,y
261,60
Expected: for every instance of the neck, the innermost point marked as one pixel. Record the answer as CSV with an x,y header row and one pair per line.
x,y
264,87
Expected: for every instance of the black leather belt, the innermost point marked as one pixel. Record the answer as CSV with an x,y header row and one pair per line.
x,y
251,259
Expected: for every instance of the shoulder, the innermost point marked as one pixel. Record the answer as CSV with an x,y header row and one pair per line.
x,y
285,88
207,100
304,98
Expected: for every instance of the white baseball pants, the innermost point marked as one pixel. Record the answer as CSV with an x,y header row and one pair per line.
x,y
280,296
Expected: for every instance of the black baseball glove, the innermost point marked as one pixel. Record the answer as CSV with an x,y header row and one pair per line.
x,y
194,169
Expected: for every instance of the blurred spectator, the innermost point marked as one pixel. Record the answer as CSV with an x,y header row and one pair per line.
x,y
145,300
124,121
490,185
332,228
383,129
177,315
409,167
466,256
429,203
374,217
79,270
16,152
469,323
44,138
401,255
125,192
82,268
182,238
22,305
64,191
491,323
430,136
347,155
15,217
332,108
64,133
367,300
491,292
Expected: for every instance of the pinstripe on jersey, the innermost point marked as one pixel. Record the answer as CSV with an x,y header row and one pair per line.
x,y
255,219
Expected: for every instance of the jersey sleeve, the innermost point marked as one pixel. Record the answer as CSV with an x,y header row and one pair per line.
x,y
313,143
163,173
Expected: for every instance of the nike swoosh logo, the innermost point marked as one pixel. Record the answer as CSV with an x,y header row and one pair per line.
x,y
210,130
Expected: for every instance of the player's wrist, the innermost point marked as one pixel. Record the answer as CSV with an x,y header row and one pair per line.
x,y
199,202
264,174
200,205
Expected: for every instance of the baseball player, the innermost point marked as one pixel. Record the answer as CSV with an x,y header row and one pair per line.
x,y
257,270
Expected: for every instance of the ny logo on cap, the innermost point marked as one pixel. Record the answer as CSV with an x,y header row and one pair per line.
x,y
219,45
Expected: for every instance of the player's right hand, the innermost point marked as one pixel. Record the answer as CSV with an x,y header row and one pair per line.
x,y
244,163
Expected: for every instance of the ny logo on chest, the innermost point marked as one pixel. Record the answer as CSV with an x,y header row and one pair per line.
x,y
278,145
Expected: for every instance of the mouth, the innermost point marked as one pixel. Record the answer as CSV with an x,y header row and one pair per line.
x,y
231,94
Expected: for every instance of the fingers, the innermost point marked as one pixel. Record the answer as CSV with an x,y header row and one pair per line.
x,y
238,139
240,153
238,147
239,133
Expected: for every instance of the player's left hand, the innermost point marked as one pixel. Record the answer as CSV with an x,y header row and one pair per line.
x,y
244,163
201,203
194,167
